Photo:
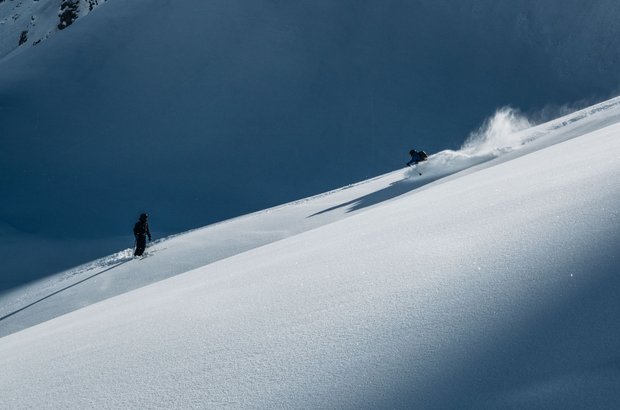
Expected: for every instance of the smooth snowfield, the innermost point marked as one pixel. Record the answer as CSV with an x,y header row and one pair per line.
x,y
493,287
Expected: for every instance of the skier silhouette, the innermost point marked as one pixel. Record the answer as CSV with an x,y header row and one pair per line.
x,y
416,157
141,231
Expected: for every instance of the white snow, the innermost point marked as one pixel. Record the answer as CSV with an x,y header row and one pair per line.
x,y
491,281
37,19
197,111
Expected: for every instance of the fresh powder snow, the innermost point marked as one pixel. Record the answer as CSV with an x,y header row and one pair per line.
x,y
198,111
490,281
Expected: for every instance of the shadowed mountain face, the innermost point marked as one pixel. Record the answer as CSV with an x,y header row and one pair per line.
x,y
202,110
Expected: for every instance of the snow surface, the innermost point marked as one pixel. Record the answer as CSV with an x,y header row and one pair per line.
x,y
197,111
36,20
491,281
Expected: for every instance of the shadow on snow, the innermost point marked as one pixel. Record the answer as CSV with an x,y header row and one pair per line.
x,y
61,290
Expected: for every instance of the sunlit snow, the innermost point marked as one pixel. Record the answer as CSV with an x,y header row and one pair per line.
x,y
491,281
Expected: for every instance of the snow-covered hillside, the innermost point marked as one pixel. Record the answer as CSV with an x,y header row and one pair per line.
x,y
202,110
491,281
25,23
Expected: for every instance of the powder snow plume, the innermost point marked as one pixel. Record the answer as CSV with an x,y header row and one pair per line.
x,y
499,134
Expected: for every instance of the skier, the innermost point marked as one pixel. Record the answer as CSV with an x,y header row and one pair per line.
x,y
416,156
141,231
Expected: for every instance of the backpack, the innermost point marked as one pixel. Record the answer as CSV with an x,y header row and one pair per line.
x,y
423,155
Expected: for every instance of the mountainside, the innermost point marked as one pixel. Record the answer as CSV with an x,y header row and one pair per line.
x,y
153,105
25,23
491,281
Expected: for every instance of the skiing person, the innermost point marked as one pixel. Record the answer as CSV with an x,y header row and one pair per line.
x,y
416,156
141,231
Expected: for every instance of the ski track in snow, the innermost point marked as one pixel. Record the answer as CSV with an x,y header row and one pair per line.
x,y
438,166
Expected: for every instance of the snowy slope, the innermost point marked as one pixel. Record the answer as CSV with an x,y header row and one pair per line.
x,y
26,23
497,141
202,110
493,287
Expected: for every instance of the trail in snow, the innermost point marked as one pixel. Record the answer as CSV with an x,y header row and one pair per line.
x,y
60,290
491,288
500,139
174,255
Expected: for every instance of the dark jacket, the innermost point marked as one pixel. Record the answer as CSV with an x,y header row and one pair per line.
x,y
415,158
141,229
